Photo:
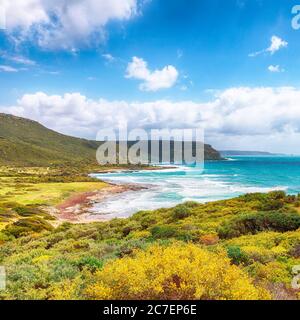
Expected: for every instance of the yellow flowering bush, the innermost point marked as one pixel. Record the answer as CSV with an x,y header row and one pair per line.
x,y
279,250
179,271
41,259
139,234
258,253
66,290
274,272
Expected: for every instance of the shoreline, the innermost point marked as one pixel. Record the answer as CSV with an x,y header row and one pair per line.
x,y
75,209
79,207
128,170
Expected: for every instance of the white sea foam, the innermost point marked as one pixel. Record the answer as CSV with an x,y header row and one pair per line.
x,y
170,187
248,189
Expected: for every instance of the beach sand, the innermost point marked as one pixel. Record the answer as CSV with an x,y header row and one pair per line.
x,y
76,208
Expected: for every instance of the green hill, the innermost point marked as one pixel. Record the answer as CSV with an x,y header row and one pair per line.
x,y
24,142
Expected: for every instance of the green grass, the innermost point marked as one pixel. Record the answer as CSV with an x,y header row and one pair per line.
x,y
49,193
26,186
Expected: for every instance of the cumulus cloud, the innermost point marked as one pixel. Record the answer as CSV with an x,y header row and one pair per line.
x,y
152,80
63,23
276,44
260,118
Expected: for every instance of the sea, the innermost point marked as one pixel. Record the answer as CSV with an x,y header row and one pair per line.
x,y
216,180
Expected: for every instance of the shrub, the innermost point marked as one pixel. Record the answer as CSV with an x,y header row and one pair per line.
x,y
4,238
253,197
143,234
62,268
237,256
175,272
91,263
209,239
290,199
129,247
163,232
273,204
147,221
66,290
32,210
257,222
131,226
28,225
181,212
192,204
6,215
274,272
26,211
266,201
295,252
276,195
259,254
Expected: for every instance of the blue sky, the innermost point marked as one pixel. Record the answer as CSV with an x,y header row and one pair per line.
x,y
192,51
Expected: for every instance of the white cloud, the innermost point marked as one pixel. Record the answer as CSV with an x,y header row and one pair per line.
x,y
5,68
276,44
22,60
275,69
24,13
19,60
246,118
108,57
63,23
152,80
235,111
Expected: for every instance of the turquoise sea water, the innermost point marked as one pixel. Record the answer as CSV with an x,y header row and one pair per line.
x,y
218,180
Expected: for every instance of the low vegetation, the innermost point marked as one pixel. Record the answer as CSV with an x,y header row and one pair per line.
x,y
177,271
242,248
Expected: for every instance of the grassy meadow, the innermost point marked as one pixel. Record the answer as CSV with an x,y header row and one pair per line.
x,y
29,190
243,248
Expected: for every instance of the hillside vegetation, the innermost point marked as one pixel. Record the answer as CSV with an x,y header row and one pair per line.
x,y
242,248
25,142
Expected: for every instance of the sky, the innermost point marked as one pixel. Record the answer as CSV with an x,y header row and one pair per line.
x,y
232,67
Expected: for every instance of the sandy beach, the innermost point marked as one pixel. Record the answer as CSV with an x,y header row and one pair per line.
x,y
76,208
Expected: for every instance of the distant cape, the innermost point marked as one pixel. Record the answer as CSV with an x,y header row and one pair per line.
x,y
228,153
